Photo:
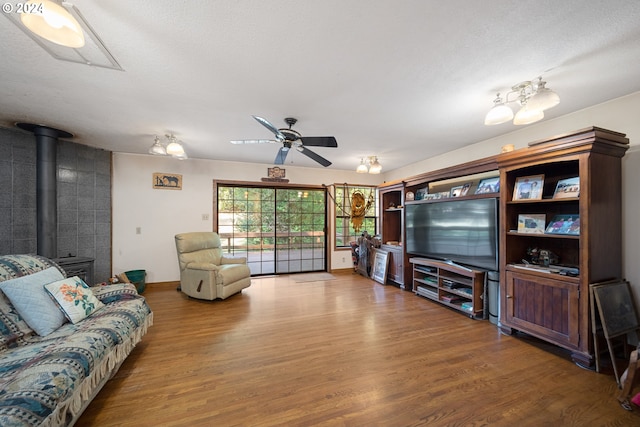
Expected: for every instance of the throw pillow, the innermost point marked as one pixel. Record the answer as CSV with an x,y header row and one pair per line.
x,y
74,298
33,303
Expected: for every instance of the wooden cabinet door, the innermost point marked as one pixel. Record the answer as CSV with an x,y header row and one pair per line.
x,y
396,265
543,307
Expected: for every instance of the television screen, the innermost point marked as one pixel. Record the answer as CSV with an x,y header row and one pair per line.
x,y
462,231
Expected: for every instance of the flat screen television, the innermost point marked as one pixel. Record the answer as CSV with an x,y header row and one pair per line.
x,y
462,231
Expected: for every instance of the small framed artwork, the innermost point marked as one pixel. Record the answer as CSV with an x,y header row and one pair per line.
x,y
420,194
167,181
380,265
465,188
455,191
567,188
532,223
564,224
488,185
528,187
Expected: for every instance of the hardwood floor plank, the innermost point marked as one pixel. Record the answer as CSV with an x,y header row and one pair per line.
x,y
344,352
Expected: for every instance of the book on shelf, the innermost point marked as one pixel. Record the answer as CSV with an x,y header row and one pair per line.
x,y
451,298
467,305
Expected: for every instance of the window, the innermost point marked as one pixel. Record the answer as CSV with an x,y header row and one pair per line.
x,y
345,196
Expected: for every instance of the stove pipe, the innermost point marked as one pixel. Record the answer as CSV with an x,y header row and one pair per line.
x,y
46,186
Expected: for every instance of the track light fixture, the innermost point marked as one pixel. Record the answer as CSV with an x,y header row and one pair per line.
x,y
533,97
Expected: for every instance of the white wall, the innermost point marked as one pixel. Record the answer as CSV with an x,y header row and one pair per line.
x,y
161,214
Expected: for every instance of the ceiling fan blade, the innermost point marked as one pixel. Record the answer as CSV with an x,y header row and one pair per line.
x,y
319,141
281,156
272,128
318,158
255,141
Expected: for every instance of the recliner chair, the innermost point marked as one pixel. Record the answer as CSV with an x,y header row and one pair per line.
x,y
204,272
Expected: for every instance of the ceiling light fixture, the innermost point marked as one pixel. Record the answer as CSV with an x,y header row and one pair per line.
x,y
533,97
369,164
173,148
52,22
61,30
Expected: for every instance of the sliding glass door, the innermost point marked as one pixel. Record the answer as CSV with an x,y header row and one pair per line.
x,y
279,230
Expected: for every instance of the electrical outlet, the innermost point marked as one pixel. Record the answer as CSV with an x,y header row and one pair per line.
x,y
138,230
205,217
344,259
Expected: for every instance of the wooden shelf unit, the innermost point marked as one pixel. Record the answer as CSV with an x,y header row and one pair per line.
x,y
547,305
452,285
392,231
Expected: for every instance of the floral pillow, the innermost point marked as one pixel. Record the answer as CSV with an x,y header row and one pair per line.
x,y
74,298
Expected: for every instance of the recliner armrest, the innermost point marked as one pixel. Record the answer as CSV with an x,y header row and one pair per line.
x,y
229,260
202,266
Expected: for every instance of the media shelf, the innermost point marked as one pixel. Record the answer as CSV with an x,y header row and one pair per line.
x,y
450,284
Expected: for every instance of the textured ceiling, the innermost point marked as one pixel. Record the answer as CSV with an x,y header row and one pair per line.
x,y
404,80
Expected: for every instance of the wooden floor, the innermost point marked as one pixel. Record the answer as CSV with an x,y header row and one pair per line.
x,y
343,352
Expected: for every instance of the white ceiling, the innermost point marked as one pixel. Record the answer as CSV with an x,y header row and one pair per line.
x,y
402,79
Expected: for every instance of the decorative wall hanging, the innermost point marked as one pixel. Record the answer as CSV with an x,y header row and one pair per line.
x,y
359,208
275,174
167,181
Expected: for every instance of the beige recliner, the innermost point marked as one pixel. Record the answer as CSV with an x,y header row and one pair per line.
x,y
204,272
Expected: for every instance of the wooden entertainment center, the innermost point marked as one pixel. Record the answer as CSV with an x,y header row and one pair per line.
x,y
549,298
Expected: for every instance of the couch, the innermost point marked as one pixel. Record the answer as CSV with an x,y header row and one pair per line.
x,y
204,272
49,373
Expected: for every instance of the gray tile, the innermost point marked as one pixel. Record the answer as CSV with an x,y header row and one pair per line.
x,y
86,230
23,231
24,246
67,203
66,189
67,245
24,217
67,175
87,242
86,217
67,216
103,216
67,230
5,247
102,204
103,230
24,201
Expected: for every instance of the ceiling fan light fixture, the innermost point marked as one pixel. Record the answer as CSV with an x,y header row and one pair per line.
x,y
52,22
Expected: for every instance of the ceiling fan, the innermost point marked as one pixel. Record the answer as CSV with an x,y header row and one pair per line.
x,y
290,138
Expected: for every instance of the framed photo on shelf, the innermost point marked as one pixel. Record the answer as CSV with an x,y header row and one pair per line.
x,y
564,224
465,188
456,191
567,188
488,185
528,187
532,223
379,267
421,193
